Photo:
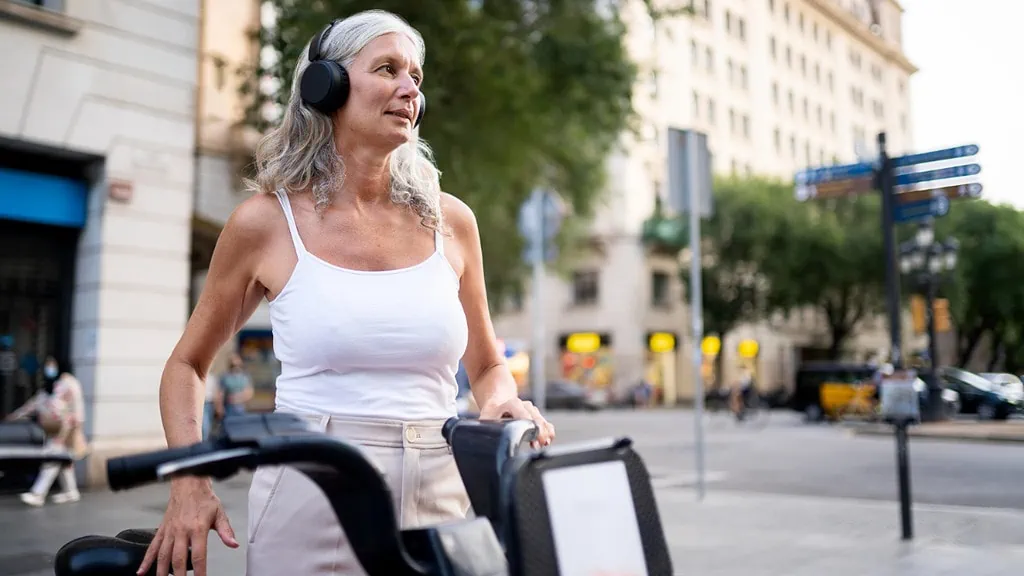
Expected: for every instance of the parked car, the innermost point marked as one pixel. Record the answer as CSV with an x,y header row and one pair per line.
x,y
569,395
990,400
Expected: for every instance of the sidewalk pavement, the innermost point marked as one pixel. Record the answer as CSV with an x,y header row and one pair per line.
x,y
730,533
967,430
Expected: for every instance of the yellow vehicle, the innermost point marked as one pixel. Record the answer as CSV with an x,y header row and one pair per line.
x,y
835,391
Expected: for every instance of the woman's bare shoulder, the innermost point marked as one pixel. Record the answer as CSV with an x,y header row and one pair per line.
x,y
458,215
255,219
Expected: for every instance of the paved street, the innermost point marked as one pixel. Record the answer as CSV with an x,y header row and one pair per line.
x,y
783,499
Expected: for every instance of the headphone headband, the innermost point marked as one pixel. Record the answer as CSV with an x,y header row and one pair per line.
x,y
316,44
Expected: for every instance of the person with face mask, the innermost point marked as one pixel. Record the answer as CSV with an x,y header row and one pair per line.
x,y
60,411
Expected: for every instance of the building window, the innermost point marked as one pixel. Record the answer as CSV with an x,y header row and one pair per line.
x,y
800,19
732,121
789,57
828,40
728,70
778,140
710,56
584,287
711,111
817,73
792,146
660,290
771,5
792,102
696,104
728,21
821,118
772,47
785,12
803,65
746,126
807,112
775,93
743,77
742,28
694,53
814,31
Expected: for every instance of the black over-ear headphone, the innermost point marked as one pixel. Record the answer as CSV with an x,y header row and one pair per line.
x,y
325,85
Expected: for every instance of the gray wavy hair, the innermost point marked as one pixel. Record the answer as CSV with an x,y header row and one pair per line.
x,y
300,155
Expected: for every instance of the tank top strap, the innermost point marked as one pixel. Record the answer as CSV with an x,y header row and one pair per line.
x,y
438,242
286,205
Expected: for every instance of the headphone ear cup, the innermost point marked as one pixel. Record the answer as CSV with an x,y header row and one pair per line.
x,y
423,108
324,86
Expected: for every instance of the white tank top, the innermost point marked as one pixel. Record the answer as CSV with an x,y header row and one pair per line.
x,y
372,344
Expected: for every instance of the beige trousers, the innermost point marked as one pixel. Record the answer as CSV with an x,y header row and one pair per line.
x,y
293,530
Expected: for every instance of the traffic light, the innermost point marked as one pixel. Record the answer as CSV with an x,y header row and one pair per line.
x,y
917,309
942,320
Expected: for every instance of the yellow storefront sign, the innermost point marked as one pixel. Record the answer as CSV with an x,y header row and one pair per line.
x,y
583,343
748,349
711,345
661,342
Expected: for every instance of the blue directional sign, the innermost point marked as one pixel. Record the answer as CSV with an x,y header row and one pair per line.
x,y
833,173
935,156
940,174
931,208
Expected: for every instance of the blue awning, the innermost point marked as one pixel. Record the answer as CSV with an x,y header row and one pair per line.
x,y
42,198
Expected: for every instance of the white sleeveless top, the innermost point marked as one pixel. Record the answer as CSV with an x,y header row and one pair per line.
x,y
369,344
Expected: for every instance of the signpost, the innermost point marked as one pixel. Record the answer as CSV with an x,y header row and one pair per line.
x,y
940,174
540,217
914,211
972,190
689,179
899,400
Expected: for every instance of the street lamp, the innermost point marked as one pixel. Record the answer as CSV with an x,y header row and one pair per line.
x,y
929,261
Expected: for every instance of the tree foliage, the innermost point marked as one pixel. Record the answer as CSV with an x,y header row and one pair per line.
x,y
985,289
521,93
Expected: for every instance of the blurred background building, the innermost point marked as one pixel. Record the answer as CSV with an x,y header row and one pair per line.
x,y
777,85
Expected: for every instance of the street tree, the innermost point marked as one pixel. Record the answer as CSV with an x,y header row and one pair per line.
x,y
520,94
827,255
734,242
985,289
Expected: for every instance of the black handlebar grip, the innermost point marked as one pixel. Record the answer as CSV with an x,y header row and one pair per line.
x,y
127,472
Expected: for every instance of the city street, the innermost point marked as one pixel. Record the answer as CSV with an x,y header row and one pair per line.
x,y
785,498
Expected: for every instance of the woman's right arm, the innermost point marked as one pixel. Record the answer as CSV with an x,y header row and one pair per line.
x,y
230,295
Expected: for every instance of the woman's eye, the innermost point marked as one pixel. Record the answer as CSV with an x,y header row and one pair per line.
x,y
388,68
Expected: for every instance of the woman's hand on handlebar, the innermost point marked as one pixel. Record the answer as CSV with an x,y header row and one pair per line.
x,y
521,409
192,511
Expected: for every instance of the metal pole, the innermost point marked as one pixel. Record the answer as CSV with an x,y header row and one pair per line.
x,y
934,405
886,182
696,307
903,469
892,278
539,349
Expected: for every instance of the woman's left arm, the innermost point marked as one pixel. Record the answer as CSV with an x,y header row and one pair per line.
x,y
490,380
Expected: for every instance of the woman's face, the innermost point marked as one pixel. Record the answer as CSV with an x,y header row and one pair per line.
x,y
50,368
384,98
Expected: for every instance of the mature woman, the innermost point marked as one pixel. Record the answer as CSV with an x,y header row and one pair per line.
x,y
376,290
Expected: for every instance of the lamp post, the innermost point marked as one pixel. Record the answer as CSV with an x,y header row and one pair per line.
x,y
928,262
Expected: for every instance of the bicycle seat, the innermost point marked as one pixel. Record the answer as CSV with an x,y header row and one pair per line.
x,y
106,556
